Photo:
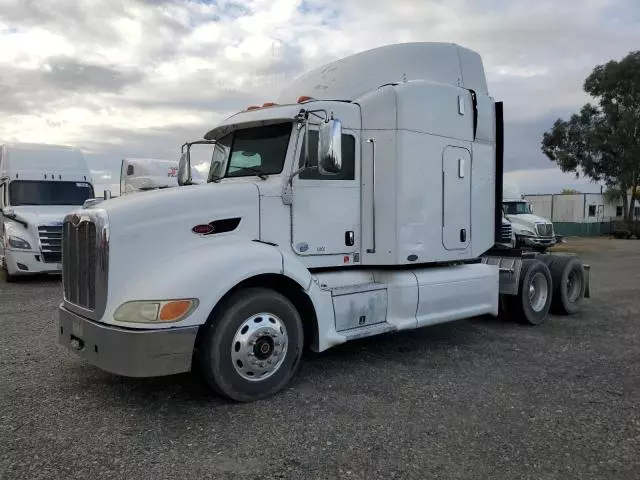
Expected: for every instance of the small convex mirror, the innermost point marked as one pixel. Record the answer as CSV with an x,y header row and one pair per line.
x,y
184,169
9,212
216,169
330,147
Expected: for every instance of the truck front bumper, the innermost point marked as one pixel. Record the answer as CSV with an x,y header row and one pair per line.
x,y
21,262
537,241
127,352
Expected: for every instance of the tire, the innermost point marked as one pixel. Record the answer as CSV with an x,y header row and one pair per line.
x,y
246,340
568,284
528,309
546,258
7,276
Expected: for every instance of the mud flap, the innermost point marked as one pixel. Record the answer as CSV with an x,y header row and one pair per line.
x,y
586,269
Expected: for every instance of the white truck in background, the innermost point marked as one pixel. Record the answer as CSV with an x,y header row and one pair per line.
x,y
143,174
367,200
530,230
39,185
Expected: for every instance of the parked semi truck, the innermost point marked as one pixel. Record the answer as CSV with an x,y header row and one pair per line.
x,y
39,185
366,200
144,174
530,230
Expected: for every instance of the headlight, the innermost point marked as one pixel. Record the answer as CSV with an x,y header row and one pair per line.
x,y
17,242
150,311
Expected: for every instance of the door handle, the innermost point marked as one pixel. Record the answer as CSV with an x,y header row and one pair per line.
x,y
463,235
349,238
372,141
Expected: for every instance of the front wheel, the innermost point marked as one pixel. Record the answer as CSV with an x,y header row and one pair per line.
x,y
253,346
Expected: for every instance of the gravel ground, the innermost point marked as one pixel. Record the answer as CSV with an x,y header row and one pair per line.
x,y
473,399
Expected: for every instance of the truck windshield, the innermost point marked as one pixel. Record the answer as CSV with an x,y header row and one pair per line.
x,y
517,208
251,151
37,192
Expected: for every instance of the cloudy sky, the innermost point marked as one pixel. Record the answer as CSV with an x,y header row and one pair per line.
x,y
137,78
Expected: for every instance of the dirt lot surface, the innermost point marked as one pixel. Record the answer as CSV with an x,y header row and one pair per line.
x,y
473,399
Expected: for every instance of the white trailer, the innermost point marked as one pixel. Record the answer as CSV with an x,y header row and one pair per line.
x,y
39,185
366,201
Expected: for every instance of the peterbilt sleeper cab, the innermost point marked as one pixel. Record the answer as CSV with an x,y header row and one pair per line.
x,y
361,202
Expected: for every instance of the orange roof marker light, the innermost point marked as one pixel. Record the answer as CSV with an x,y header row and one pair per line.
x,y
304,98
269,104
253,107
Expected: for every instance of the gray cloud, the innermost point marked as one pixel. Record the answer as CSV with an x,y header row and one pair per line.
x,y
522,139
59,80
196,61
69,74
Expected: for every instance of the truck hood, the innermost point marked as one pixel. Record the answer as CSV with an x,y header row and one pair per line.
x,y
527,219
149,227
41,215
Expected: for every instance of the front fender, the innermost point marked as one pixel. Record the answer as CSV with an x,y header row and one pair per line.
x,y
519,229
11,228
206,273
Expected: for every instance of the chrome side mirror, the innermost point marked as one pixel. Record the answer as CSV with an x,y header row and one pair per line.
x,y
90,202
107,194
216,169
330,147
184,169
9,212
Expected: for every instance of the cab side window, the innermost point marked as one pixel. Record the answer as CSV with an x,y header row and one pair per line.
x,y
348,159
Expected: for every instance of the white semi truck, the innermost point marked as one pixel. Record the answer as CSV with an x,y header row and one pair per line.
x,y
141,175
365,201
39,185
144,174
530,230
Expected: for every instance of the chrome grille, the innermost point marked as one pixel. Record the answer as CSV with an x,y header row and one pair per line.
x,y
79,265
50,237
85,247
544,229
505,233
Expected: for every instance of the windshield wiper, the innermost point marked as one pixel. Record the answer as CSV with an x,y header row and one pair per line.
x,y
258,172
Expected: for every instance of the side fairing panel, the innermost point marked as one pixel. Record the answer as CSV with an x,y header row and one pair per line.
x,y
482,198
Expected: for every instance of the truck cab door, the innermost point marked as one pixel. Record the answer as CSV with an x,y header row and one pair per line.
x,y
326,209
456,198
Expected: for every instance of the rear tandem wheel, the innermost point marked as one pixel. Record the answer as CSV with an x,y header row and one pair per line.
x,y
532,303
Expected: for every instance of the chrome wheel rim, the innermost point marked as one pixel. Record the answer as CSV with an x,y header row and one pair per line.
x,y
259,347
574,286
538,292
